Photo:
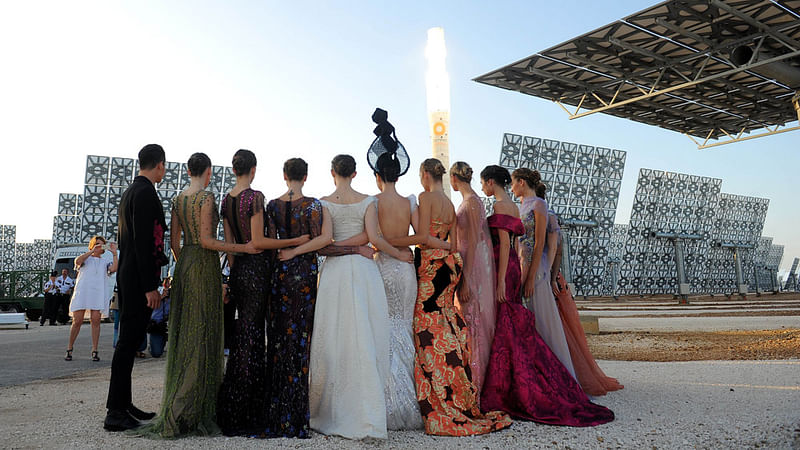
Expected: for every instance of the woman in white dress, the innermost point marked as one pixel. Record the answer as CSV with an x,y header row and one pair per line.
x,y
91,291
350,343
389,160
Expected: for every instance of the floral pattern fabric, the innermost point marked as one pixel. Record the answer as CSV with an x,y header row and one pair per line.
x,y
291,318
447,397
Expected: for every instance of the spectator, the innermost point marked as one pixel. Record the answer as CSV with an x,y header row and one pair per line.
x,y
64,285
93,270
157,329
50,308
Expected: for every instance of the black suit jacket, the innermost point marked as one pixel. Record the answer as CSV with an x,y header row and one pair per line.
x,y
141,237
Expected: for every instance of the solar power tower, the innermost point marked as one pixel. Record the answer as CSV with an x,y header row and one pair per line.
x,y
96,212
583,189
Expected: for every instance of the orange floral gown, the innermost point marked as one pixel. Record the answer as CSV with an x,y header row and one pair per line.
x,y
446,394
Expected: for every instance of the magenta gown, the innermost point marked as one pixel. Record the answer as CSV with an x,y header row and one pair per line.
x,y
524,377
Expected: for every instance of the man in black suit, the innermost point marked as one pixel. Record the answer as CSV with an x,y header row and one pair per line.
x,y
141,248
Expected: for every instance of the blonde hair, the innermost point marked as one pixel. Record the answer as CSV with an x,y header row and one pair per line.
x,y
462,171
94,240
434,167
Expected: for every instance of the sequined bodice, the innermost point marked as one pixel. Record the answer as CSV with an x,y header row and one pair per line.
x,y
238,210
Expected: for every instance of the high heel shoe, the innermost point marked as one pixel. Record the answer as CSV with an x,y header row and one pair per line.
x,y
94,356
68,357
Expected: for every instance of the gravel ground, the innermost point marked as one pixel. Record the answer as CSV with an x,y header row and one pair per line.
x,y
703,404
693,346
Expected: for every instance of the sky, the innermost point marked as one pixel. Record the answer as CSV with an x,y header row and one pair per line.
x,y
301,79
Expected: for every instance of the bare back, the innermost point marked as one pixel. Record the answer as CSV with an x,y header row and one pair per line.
x,y
506,207
440,207
394,215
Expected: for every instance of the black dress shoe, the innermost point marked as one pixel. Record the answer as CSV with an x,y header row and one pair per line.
x,y
117,420
139,414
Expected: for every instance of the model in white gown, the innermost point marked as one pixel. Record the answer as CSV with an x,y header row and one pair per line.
x,y
350,344
400,282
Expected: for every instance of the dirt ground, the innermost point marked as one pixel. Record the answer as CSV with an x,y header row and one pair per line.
x,y
694,346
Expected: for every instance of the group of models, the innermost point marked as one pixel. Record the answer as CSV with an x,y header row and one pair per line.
x,y
458,337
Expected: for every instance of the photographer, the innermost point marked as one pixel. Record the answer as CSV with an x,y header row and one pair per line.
x,y
157,328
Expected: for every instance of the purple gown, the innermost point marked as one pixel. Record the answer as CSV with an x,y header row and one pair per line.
x,y
525,378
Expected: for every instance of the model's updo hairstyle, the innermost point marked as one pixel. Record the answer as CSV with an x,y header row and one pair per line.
x,y
462,171
531,177
496,173
295,169
434,167
388,168
343,165
198,163
541,189
243,162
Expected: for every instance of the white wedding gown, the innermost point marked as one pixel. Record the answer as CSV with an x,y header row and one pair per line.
x,y
350,343
400,281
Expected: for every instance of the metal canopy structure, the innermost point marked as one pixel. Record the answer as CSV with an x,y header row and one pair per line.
x,y
709,69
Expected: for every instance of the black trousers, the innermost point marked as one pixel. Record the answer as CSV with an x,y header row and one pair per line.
x,y
50,308
62,308
133,320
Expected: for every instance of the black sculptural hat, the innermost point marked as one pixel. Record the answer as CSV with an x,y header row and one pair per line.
x,y
386,143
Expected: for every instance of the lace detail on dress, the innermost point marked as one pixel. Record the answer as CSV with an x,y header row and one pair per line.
x,y
400,283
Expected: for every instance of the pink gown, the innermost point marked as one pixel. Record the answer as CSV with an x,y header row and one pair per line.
x,y
524,377
479,312
590,375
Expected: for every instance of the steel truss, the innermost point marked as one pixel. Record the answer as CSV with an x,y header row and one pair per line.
x,y
671,66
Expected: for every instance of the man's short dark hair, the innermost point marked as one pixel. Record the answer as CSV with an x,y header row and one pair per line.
x,y
150,155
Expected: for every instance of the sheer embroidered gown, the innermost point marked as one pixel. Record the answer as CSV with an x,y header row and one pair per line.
x,y
479,312
400,283
194,346
543,303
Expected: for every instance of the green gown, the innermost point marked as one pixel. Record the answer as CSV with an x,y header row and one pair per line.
x,y
195,342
